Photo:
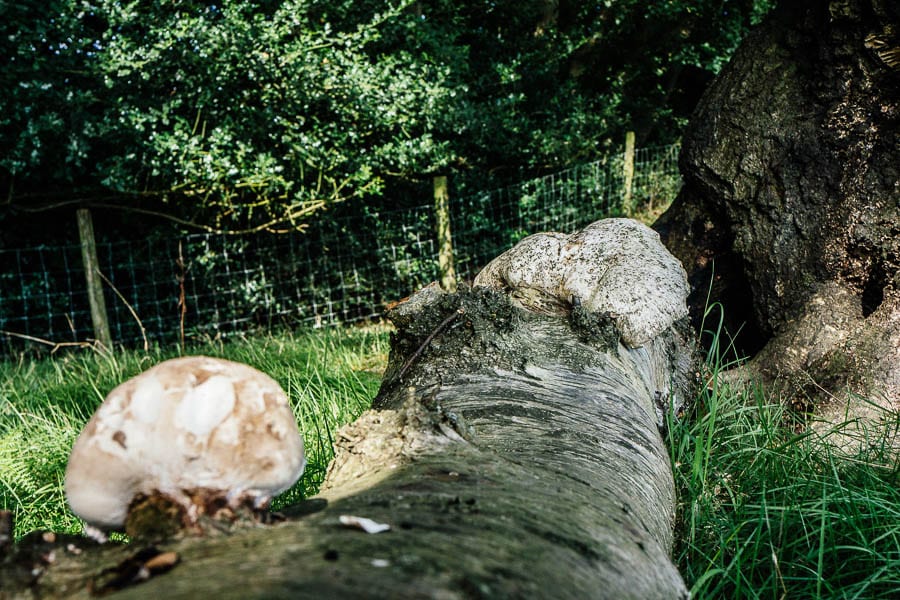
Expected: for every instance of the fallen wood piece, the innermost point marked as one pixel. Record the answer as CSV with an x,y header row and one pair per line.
x,y
513,454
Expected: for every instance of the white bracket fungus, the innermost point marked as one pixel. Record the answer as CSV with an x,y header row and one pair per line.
x,y
187,424
616,267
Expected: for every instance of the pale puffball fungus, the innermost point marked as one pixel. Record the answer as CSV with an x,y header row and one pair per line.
x,y
187,424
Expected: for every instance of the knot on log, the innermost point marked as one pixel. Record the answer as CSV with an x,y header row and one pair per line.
x,y
613,267
374,446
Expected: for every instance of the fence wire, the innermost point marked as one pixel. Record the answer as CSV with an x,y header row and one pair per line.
x,y
343,270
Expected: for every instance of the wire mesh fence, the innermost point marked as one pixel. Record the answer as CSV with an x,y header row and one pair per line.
x,y
487,223
340,270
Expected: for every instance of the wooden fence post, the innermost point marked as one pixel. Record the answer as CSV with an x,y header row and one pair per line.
x,y
445,243
629,173
92,278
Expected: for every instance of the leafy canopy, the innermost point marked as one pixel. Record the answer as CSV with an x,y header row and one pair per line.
x,y
240,112
550,83
256,114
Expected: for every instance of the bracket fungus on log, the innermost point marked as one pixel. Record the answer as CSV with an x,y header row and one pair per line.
x,y
614,267
187,428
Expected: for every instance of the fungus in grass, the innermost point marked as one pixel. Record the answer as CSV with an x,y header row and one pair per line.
x,y
185,429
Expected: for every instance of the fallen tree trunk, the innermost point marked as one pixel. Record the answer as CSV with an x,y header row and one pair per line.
x,y
512,454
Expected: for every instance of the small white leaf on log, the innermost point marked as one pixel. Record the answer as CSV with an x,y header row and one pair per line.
x,y
367,525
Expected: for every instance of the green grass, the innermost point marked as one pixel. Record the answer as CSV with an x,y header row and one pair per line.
x,y
330,376
772,508
768,508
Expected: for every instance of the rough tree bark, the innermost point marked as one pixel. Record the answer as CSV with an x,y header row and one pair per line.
x,y
512,453
791,166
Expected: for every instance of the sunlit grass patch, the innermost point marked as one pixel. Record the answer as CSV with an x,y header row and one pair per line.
x,y
330,376
773,508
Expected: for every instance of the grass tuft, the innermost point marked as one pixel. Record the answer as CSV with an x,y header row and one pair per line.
x,y
772,509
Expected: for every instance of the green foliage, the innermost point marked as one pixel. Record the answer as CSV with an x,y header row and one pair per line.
x,y
544,84
770,510
330,377
235,113
256,114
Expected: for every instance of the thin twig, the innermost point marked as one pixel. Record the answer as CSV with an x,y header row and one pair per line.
x,y
128,306
427,341
182,297
56,345
70,323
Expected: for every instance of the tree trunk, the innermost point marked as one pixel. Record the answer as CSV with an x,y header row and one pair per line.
x,y
791,201
512,454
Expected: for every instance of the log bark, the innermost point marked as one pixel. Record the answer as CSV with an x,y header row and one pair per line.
x,y
791,202
513,454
